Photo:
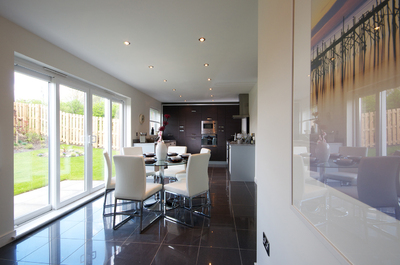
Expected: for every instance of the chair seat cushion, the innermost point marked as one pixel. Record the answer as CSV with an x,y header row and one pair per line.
x,y
152,188
177,187
181,175
342,176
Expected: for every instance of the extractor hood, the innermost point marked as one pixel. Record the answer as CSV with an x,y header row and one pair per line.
x,y
243,107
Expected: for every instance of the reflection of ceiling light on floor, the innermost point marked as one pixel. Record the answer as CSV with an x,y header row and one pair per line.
x,y
333,58
377,27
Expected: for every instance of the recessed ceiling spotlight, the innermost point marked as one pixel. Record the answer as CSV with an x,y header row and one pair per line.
x,y
208,79
165,80
206,64
127,43
151,67
212,100
210,88
180,96
202,39
185,100
174,89
212,95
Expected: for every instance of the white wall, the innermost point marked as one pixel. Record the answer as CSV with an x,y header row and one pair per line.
x,y
17,39
292,240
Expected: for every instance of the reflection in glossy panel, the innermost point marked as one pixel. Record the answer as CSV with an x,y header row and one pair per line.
x,y
344,94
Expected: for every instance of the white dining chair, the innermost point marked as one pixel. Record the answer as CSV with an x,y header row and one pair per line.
x,y
205,150
110,182
347,175
196,183
137,150
171,172
132,186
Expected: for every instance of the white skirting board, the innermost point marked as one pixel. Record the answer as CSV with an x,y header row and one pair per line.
x,y
7,238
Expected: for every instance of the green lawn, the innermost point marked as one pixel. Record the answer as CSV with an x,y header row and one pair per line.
x,y
31,170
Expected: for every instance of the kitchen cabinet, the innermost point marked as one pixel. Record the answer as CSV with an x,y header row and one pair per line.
x,y
185,126
242,162
209,113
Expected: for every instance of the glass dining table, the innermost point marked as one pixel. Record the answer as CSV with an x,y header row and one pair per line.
x,y
162,164
330,164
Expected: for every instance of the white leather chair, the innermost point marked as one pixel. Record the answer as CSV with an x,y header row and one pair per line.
x,y
196,183
306,188
205,150
137,151
347,175
110,181
171,172
298,150
132,186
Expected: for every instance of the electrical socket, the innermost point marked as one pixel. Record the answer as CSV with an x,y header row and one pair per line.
x,y
266,243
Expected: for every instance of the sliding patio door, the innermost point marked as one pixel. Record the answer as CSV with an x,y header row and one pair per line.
x,y
62,126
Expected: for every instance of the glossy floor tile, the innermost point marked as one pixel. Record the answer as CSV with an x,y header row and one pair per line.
x,y
86,237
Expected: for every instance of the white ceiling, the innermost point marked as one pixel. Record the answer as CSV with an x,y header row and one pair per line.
x,y
163,33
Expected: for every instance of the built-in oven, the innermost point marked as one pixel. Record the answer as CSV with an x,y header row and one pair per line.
x,y
208,127
209,140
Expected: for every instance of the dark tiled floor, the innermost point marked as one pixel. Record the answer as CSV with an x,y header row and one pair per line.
x,y
85,237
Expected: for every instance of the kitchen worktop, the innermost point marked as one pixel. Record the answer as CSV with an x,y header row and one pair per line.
x,y
235,143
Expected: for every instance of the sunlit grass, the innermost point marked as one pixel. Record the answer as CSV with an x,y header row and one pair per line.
x,y
31,170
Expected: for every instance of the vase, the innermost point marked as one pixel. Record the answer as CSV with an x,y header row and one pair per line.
x,y
161,151
322,151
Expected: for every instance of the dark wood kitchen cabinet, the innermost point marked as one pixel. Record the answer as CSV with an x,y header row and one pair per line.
x,y
209,113
185,126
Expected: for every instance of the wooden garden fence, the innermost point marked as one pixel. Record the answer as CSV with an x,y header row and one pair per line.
x,y
33,118
392,128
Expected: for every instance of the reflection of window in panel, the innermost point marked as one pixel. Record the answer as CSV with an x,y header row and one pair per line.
x,y
31,149
368,123
392,120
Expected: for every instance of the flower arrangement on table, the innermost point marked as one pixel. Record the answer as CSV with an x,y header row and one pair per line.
x,y
162,128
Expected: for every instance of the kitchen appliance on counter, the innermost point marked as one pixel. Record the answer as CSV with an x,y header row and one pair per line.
x,y
208,140
209,127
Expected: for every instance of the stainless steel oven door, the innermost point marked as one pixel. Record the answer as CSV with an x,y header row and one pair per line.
x,y
209,140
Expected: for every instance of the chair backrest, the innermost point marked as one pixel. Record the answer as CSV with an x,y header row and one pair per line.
x,y
177,149
205,151
297,150
352,151
131,177
377,181
133,150
109,169
197,174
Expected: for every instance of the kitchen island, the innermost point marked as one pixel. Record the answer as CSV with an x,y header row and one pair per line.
x,y
241,161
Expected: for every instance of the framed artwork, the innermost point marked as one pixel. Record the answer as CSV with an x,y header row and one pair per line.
x,y
346,109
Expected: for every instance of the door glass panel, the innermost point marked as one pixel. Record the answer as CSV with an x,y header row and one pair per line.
x,y
368,123
392,120
31,151
116,130
72,132
99,138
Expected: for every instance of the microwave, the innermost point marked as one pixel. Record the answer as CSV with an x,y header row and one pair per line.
x,y
208,127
